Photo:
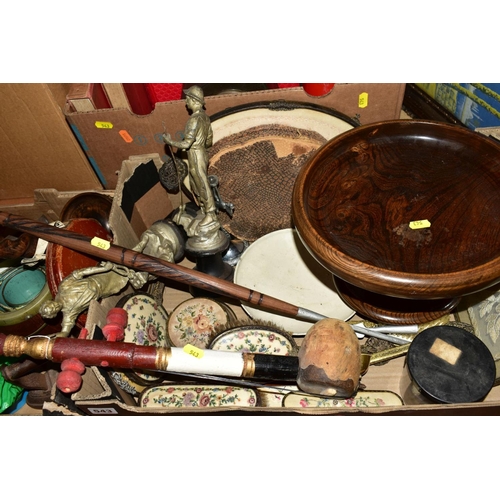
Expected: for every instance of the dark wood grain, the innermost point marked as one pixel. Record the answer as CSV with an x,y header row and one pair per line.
x,y
354,200
89,206
384,309
15,245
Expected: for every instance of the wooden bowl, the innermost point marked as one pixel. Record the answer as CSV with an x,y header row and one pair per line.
x,y
89,206
405,214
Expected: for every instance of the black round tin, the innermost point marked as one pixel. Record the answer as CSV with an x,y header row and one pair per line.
x,y
450,365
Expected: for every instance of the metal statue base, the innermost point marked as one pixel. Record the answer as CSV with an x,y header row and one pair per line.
x,y
206,244
211,262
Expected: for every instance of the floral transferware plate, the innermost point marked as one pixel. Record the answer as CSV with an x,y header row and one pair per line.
x,y
257,339
196,320
194,396
362,399
146,325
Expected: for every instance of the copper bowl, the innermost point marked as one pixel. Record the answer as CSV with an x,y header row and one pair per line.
x,y
405,214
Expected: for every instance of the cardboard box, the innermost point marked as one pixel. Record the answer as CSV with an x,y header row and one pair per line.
x,y
100,396
37,147
111,136
47,202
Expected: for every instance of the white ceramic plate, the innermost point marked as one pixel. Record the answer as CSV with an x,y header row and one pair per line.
x,y
279,265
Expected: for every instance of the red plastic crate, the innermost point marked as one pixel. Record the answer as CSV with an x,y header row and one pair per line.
x,y
163,92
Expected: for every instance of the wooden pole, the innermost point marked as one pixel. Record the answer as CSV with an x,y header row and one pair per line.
x,y
140,262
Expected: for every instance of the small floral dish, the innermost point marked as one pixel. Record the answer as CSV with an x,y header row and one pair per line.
x,y
194,396
146,325
362,399
257,339
196,320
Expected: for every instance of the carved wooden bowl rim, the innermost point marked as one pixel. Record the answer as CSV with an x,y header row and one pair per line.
x,y
377,278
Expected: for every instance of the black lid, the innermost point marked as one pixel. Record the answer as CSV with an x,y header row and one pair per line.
x,y
451,365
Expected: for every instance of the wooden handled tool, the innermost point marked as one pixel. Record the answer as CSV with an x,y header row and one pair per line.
x,y
125,355
329,362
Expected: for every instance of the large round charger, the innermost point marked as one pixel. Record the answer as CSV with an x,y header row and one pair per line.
x,y
279,265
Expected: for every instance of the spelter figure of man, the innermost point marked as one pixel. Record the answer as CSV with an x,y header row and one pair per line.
x,y
198,136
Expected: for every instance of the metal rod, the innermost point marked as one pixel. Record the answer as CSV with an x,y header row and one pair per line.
x,y
379,335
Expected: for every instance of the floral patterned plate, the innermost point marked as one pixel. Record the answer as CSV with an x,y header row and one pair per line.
x,y
196,320
147,325
258,339
362,399
194,396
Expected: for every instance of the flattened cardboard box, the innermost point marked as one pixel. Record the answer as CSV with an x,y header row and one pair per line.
x,y
48,202
384,377
110,136
38,150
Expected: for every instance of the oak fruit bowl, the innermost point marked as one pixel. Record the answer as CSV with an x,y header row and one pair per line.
x,y
405,214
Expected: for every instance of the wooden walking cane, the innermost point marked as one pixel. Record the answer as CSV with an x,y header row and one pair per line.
x,y
106,251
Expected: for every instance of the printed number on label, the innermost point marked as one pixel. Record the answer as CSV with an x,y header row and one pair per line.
x,y
103,125
419,224
100,243
193,351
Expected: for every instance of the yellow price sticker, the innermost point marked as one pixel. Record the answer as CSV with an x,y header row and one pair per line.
x,y
100,243
103,125
419,224
193,351
363,100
